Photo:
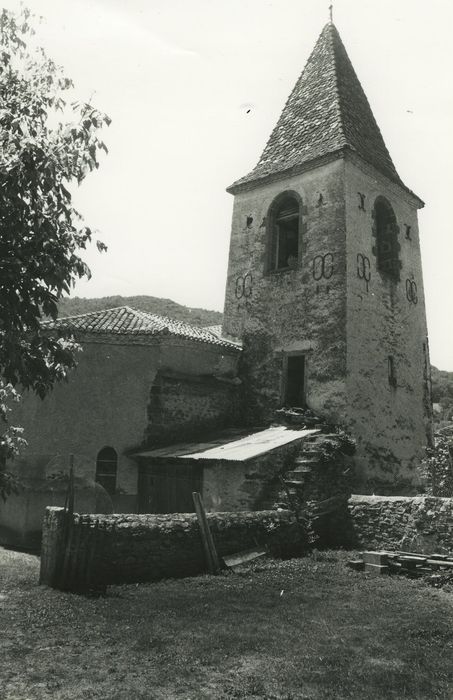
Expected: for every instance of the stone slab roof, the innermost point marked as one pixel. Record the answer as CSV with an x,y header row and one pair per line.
x,y
231,447
125,321
326,113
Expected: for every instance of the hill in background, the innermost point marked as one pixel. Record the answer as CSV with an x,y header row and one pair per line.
x,y
155,305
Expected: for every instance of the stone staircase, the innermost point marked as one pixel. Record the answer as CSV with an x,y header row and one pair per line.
x,y
317,473
308,460
314,478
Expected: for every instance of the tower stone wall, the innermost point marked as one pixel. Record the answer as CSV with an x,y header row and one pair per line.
x,y
277,314
385,318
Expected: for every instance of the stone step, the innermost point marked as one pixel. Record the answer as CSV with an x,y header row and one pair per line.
x,y
306,461
319,437
297,476
303,469
295,484
306,451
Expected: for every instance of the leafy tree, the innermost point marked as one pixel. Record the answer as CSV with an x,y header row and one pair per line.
x,y
47,143
442,393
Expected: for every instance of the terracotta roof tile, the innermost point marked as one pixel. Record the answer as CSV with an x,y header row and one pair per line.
x,y
126,321
326,112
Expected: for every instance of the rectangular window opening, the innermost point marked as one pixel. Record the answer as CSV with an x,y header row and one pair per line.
x,y
295,381
391,371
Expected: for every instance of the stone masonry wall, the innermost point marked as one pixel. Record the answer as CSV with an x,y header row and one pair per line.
x,y
138,548
290,311
250,485
182,406
389,422
414,524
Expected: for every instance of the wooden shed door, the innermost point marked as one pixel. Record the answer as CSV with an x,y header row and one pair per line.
x,y
167,488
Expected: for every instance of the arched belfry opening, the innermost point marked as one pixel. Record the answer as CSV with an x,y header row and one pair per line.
x,y
106,469
387,247
284,229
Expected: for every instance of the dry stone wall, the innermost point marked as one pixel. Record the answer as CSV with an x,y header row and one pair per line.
x,y
137,548
420,523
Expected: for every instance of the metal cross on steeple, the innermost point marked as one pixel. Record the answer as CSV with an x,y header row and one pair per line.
x,y
331,12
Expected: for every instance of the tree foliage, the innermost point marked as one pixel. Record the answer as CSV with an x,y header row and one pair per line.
x,y
48,143
437,467
442,393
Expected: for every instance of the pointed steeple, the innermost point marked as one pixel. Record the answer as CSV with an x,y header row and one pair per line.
x,y
326,113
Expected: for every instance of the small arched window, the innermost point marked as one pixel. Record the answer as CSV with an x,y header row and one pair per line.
x,y
387,246
106,468
283,234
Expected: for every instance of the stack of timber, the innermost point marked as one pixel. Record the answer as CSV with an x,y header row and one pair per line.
x,y
411,564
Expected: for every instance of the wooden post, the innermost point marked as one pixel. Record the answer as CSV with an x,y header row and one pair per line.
x,y
65,562
69,502
52,548
212,559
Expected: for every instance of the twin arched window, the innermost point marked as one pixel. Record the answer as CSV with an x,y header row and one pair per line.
x,y
283,232
106,468
284,226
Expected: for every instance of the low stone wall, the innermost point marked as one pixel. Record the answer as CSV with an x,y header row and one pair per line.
x,y
416,524
114,549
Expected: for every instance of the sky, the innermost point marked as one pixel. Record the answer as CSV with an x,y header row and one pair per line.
x,y
194,88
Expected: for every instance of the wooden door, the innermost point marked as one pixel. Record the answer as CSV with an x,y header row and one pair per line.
x,y
168,487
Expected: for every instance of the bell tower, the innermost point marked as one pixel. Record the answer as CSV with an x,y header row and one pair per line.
x,y
324,285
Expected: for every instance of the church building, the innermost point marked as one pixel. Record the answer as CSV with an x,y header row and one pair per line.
x,y
324,310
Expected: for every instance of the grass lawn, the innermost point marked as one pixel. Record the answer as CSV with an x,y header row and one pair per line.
x,y
307,628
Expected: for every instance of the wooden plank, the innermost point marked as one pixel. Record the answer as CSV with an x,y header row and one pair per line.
x,y
440,562
413,557
88,578
399,553
232,560
210,551
412,562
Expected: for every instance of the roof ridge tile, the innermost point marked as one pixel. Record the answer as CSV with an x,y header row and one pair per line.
x,y
124,320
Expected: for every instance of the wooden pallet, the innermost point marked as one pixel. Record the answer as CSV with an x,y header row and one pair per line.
x,y
385,562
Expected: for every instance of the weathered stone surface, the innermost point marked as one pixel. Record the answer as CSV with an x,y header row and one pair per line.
x,y
183,406
134,548
389,422
417,524
346,326
289,311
